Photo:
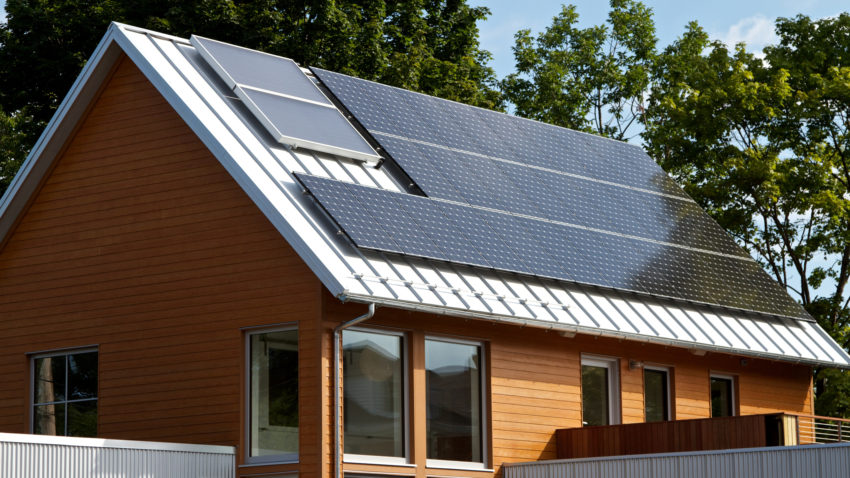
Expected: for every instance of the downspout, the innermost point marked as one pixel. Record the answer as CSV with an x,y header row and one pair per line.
x,y
337,425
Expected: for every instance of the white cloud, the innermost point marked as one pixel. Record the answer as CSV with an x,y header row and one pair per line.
x,y
756,32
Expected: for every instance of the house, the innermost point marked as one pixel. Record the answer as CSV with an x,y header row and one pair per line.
x,y
193,244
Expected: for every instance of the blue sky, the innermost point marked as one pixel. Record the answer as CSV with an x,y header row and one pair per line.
x,y
750,21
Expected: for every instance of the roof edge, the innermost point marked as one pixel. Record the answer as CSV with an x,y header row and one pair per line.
x,y
599,332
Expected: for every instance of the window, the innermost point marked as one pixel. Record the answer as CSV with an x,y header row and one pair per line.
x,y
656,394
65,394
600,404
273,396
722,396
454,383
373,394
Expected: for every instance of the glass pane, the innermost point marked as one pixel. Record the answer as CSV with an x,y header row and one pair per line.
x,y
721,397
82,376
655,395
274,393
50,379
453,383
82,418
594,395
373,394
49,419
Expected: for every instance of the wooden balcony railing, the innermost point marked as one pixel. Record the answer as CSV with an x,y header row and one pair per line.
x,y
817,429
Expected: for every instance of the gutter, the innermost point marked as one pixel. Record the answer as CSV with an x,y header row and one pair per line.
x,y
337,399
592,331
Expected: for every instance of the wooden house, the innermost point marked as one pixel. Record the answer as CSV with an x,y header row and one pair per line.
x,y
193,247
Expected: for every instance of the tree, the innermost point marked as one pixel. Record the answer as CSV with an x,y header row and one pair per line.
x,y
424,45
762,145
590,79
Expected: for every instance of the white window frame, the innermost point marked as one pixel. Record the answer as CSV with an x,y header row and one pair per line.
x,y
613,366
378,459
59,353
286,458
733,399
668,413
485,448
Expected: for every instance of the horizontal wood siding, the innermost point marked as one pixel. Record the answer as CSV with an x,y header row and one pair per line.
x,y
141,243
535,381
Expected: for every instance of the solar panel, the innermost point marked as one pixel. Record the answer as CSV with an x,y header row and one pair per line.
x,y
284,100
432,120
305,125
447,231
538,199
239,66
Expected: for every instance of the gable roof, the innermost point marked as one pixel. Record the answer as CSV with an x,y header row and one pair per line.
x,y
266,170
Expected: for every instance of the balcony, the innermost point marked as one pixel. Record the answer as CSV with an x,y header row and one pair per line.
x,y
751,431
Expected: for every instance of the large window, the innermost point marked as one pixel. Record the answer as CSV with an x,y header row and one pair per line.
x,y
65,394
373,394
274,395
454,383
722,396
656,394
599,391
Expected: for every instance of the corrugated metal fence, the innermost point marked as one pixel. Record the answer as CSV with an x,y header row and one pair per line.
x,y
812,461
34,456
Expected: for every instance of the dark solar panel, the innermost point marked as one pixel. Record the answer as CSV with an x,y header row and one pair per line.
x,y
598,211
424,227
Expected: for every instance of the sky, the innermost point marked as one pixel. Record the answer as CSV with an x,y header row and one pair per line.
x,y
731,21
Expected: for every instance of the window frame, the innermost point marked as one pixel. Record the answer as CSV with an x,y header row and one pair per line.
x,y
614,401
60,353
733,398
288,458
405,384
484,392
668,371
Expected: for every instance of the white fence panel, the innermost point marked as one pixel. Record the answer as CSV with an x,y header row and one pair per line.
x,y
35,456
809,461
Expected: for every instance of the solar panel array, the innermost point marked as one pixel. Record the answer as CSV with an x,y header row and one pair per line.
x,y
285,101
517,195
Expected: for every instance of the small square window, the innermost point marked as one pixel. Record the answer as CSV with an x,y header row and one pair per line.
x,y
64,398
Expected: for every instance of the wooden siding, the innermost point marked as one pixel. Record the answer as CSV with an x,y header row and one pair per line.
x,y
141,243
535,382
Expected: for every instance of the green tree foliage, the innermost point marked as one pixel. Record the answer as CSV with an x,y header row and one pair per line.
x,y
424,45
763,145
591,79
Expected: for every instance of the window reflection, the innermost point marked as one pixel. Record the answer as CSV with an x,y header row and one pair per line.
x,y
65,394
595,395
274,393
453,381
373,384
